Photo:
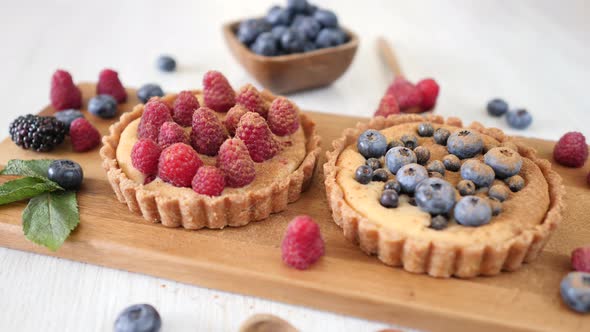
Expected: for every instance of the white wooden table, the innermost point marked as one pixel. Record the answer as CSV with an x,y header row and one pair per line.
x,y
535,54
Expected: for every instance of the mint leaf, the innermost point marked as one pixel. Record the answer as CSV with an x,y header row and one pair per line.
x,y
22,188
36,168
49,218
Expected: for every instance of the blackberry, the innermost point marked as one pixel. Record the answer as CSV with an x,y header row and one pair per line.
x,y
38,133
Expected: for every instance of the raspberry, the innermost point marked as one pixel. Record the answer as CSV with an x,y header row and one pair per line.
x,y
254,131
170,133
571,150
429,90
208,132
250,98
217,92
145,155
283,117
581,259
64,94
387,106
303,244
155,113
184,106
406,93
209,181
109,84
83,135
235,162
233,118
178,164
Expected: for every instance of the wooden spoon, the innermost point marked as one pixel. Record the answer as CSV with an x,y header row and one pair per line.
x,y
266,323
388,55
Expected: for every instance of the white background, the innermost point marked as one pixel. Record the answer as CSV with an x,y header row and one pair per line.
x,y
535,54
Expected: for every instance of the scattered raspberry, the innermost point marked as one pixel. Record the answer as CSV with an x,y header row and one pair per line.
x,y
581,259
83,135
184,106
145,155
217,92
387,106
109,84
64,94
429,90
209,181
155,113
235,162
283,117
208,132
571,150
303,244
254,131
178,165
233,118
170,133
250,98
406,94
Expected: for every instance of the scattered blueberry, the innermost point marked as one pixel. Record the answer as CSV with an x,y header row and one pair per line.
x,y
278,31
465,143
372,144
393,144
374,163
138,318
515,183
425,129
330,37
504,161
250,29
436,166
326,18
519,119
409,176
435,196
308,26
381,175
104,106
439,222
393,185
293,41
497,107
410,141
451,162
166,63
499,192
398,157
278,16
265,44
466,187
422,154
481,174
441,135
67,173
496,206
575,291
472,211
68,116
389,198
148,91
363,174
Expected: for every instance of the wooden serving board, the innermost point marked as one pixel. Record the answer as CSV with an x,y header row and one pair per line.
x,y
247,260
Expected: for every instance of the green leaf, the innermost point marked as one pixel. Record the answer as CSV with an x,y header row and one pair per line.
x,y
49,218
36,168
19,189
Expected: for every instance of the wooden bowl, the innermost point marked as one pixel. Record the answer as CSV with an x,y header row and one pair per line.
x,y
294,72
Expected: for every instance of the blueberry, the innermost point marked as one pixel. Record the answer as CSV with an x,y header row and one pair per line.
x,y
308,26
575,291
298,6
68,174
410,141
326,18
68,116
363,174
381,175
515,183
499,192
166,63
393,144
473,211
481,174
441,135
389,198
435,196
497,107
393,185
398,157
265,44
504,161
451,162
104,106
439,222
278,31
148,91
422,154
425,129
519,119
309,46
372,144
374,163
466,187
464,143
496,206
409,176
292,41
330,37
311,9
138,318
411,200
249,30
278,16
436,166
435,175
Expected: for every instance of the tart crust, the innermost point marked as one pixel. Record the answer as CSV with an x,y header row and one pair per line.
x,y
199,211
419,255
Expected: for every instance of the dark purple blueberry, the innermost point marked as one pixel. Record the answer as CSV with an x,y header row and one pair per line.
x,y
481,174
265,44
515,183
104,106
374,163
363,174
451,162
330,37
422,154
436,166
166,63
441,135
392,185
372,144
499,192
465,143
519,119
439,222
148,91
497,107
435,196
292,41
393,144
250,29
68,174
409,141
138,318
327,18
389,198
425,129
308,26
381,175
466,187
278,31
278,16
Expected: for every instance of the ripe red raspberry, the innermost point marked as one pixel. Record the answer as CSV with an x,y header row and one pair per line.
x,y
170,133
155,114
429,90
581,259
250,98
233,118
109,84
235,162
64,94
571,150
406,94
145,155
84,135
209,181
254,132
387,106
178,164
283,117
208,132
303,244
217,92
184,106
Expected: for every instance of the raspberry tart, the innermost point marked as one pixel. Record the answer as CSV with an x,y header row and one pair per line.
x,y
211,158
434,197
